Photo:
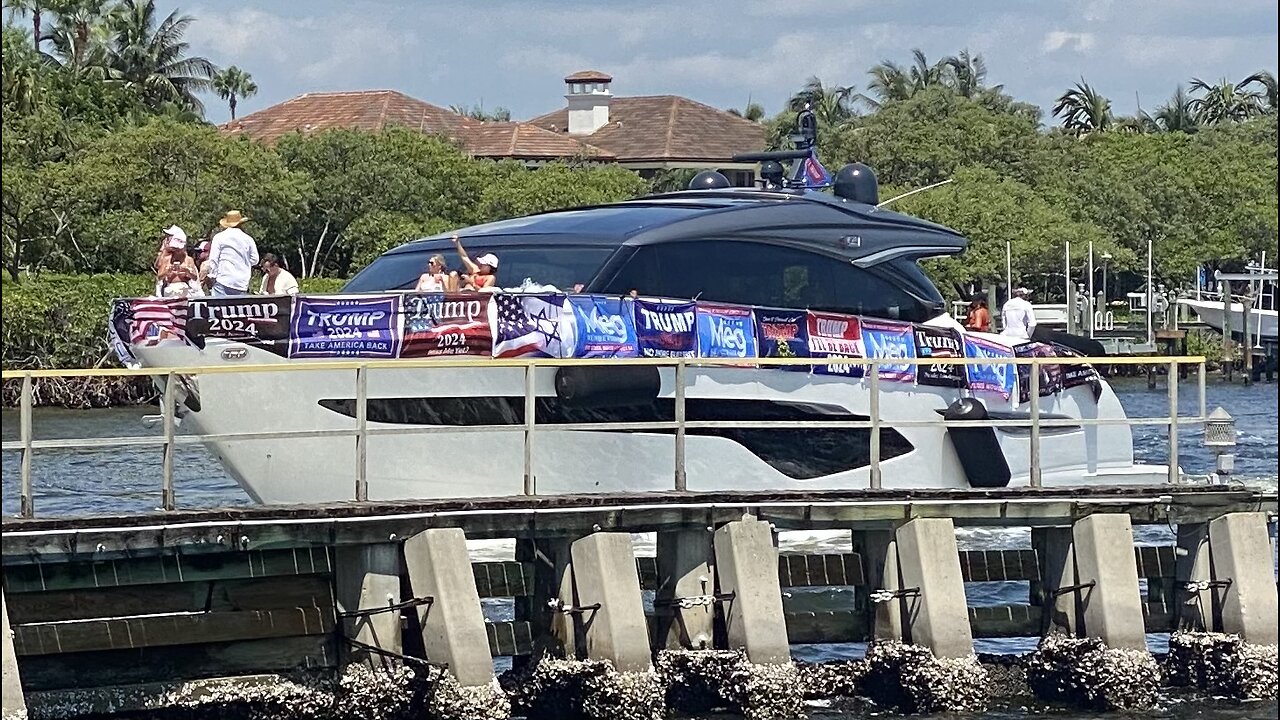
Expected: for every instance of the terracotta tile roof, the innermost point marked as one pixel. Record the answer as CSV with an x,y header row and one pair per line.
x,y
362,110
666,127
524,141
589,76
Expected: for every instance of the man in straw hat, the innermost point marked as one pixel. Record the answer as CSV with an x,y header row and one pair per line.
x,y
233,255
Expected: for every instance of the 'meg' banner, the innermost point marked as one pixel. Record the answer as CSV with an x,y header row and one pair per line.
x,y
832,335
345,327
782,334
251,319
601,326
998,377
438,324
725,331
935,342
887,340
666,329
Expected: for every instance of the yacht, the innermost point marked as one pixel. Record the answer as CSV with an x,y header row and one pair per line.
x,y
762,256
1262,328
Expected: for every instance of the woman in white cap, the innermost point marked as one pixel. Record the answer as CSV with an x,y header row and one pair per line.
x,y
176,271
482,269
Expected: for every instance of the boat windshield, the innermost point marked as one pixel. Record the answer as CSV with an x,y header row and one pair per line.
x,y
562,266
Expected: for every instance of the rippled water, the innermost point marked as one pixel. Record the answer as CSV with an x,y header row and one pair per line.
x,y
77,482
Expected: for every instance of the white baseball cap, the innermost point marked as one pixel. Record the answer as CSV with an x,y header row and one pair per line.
x,y
488,259
177,232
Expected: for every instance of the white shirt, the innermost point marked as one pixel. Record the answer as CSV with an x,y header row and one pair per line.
x,y
285,284
1018,318
234,255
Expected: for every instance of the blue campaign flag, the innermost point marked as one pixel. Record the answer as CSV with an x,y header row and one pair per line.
x,y
815,176
783,334
887,340
603,326
998,377
666,329
725,331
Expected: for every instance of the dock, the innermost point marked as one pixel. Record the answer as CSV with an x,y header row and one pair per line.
x,y
331,610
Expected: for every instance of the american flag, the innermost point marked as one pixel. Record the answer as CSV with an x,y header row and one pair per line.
x,y
529,325
815,176
150,321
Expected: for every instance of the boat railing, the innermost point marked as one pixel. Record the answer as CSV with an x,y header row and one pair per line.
x,y
169,440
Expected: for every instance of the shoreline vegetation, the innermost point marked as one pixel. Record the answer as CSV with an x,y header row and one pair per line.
x,y
105,142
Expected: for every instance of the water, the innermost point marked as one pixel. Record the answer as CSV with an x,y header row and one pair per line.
x,y
116,480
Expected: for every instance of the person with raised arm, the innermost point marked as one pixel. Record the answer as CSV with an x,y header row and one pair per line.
x,y
480,275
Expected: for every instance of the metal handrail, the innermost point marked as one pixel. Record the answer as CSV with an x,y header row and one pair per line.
x,y
27,445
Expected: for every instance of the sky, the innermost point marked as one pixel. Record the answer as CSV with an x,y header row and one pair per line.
x,y
515,53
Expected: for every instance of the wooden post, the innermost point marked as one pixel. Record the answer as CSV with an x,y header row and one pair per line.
x,y
15,705
367,577
1246,303
879,552
1057,570
1225,287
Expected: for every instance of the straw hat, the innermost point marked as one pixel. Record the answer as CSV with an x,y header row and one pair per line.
x,y
233,218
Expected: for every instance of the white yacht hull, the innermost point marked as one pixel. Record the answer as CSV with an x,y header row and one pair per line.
x,y
482,463
1262,323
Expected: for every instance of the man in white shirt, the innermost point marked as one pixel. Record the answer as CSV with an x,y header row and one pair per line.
x,y
275,279
233,255
1018,317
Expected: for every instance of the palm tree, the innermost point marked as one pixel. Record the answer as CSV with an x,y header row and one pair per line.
x,y
234,84
498,114
1224,102
153,57
1267,96
1176,115
889,82
1140,123
832,105
966,74
80,34
1083,109
923,74
34,8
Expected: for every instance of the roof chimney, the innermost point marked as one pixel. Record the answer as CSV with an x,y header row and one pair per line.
x,y
588,95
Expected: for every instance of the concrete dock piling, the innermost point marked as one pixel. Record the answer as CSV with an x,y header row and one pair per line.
x,y
683,604
933,588
14,704
1107,581
1241,562
366,583
452,623
747,568
607,601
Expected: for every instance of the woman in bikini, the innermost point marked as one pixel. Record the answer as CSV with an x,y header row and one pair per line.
x,y
482,269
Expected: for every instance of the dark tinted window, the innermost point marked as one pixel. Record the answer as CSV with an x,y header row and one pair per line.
x,y
561,266
761,274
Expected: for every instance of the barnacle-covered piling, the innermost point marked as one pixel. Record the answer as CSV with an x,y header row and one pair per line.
x,y
1087,673
1222,664
909,678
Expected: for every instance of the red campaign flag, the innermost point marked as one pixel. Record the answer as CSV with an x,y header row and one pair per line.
x,y
833,335
438,324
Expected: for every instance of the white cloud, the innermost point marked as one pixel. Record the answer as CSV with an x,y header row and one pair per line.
x,y
1060,39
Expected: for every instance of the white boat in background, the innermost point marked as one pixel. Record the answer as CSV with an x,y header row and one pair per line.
x,y
1262,310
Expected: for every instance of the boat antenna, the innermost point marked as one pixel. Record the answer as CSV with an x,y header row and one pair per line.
x,y
913,192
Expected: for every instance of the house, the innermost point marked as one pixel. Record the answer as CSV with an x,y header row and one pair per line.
x,y
380,109
648,134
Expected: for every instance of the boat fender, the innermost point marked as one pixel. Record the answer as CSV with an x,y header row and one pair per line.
x,y
980,455
594,387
